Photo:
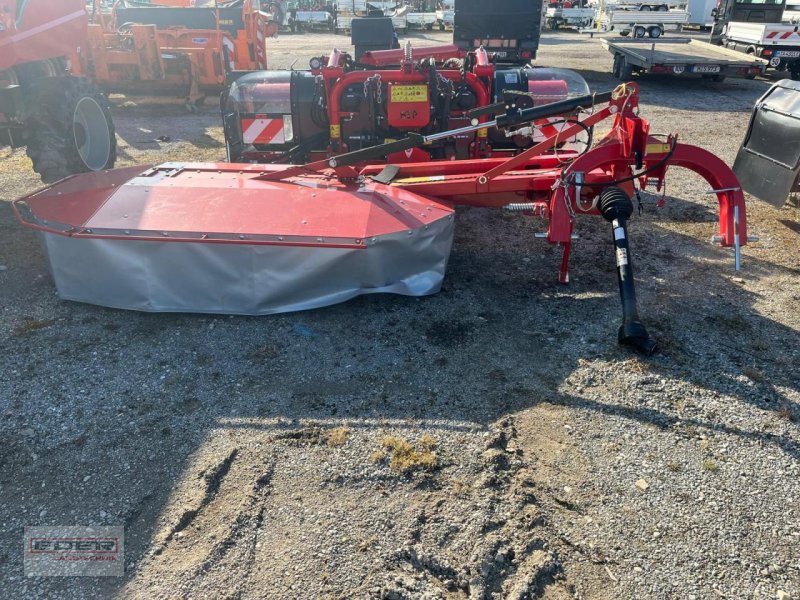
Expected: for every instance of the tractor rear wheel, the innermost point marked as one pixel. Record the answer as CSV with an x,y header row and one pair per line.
x,y
69,128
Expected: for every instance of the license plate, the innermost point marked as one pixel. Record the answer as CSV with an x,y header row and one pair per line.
x,y
705,69
787,53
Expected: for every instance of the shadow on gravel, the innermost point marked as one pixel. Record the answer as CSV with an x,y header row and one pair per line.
x,y
129,399
147,123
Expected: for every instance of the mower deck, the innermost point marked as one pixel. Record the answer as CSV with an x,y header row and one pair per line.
x,y
213,238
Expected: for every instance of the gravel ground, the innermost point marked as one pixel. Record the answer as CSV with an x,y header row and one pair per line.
x,y
491,441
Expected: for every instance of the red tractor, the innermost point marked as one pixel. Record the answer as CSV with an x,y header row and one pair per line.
x,y
62,119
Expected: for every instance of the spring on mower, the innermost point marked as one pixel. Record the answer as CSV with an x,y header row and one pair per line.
x,y
519,207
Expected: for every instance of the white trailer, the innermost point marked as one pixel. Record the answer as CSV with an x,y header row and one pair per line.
x,y
445,18
639,5
421,20
359,7
400,24
640,23
557,17
308,20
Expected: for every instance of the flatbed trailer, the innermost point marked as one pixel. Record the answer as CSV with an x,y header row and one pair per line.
x,y
421,20
680,56
311,20
640,23
343,24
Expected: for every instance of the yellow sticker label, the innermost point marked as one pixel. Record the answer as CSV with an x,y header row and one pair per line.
x,y
336,131
656,149
408,180
482,133
409,93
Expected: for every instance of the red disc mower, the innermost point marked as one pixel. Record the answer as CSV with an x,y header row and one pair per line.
x,y
371,209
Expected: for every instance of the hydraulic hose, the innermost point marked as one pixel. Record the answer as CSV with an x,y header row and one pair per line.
x,y
553,109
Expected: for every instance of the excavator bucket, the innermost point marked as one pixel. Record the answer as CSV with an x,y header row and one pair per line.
x,y
768,162
215,238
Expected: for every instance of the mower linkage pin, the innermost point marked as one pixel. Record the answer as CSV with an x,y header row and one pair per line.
x,y
543,235
719,191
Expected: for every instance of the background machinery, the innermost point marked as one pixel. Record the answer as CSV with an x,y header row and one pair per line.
x,y
176,49
62,119
507,29
757,29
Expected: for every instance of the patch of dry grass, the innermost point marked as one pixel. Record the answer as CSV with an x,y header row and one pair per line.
x,y
337,437
427,442
405,458
459,487
377,456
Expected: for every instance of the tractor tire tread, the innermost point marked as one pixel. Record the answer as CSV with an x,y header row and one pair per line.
x,y
49,135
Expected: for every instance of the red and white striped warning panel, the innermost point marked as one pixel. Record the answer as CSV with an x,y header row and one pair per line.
x,y
263,130
231,48
782,36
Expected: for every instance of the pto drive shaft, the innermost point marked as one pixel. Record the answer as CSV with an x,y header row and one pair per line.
x,y
616,207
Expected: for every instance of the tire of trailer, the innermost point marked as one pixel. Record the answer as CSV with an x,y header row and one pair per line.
x,y
662,8
644,8
639,31
623,70
69,128
655,31
718,78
